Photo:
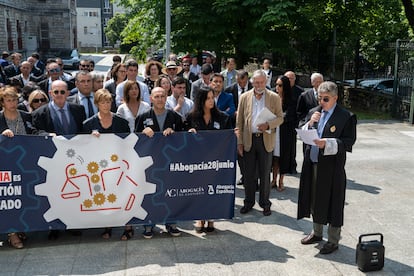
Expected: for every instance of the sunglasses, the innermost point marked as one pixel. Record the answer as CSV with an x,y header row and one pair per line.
x,y
324,99
41,100
62,92
55,70
85,65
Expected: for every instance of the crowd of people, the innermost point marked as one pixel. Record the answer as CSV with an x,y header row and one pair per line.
x,y
181,95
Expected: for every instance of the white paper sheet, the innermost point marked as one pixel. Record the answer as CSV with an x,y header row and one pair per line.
x,y
308,135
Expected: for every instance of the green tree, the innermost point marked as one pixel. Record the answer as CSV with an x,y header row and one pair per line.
x,y
115,27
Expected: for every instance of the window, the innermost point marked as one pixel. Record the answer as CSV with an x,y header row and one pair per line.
x,y
85,30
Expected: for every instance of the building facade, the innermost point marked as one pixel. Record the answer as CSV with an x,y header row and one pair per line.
x,y
29,25
92,18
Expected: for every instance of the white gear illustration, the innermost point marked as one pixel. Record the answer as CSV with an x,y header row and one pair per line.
x,y
84,181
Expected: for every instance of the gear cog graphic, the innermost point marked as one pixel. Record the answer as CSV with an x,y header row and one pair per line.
x,y
102,188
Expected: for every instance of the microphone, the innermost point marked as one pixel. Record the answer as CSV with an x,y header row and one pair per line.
x,y
319,109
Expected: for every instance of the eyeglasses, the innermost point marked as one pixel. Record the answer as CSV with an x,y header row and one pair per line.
x,y
324,99
85,65
41,100
62,92
54,70
171,69
60,64
185,64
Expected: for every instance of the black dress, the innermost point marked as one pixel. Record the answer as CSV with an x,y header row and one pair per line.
x,y
119,125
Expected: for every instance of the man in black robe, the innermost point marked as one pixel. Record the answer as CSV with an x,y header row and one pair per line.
x,y
323,178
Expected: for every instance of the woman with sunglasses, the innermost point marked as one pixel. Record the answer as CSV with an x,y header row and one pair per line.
x,y
284,152
36,99
14,122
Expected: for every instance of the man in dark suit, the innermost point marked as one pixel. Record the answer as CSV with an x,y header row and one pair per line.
x,y
256,140
14,68
204,81
308,99
59,117
24,77
53,73
242,85
85,95
224,101
323,179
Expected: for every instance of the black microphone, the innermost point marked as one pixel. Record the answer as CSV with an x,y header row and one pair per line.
x,y
319,109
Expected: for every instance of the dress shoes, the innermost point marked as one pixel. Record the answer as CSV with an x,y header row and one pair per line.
x,y
328,248
311,238
240,182
245,210
267,211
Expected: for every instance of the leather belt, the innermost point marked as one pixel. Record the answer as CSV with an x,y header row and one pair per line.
x,y
257,134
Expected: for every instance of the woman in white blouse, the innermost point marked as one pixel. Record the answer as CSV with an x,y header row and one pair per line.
x,y
132,105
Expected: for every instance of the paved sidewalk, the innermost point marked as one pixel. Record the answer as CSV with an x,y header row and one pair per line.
x,y
380,198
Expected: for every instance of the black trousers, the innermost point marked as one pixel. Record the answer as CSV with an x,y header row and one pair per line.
x,y
261,160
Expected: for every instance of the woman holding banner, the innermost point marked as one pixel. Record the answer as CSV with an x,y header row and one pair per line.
x,y
107,122
206,116
14,122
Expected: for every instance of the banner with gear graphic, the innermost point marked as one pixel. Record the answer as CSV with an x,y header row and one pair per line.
x,y
84,181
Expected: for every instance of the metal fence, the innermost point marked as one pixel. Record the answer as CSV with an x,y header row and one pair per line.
x,y
403,81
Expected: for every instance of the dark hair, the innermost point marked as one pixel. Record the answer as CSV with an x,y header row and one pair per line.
x,y
131,63
200,100
151,63
127,87
35,55
115,69
178,80
287,91
241,74
29,88
215,75
116,58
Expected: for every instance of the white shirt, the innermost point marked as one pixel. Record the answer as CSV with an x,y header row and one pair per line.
x,y
125,112
145,96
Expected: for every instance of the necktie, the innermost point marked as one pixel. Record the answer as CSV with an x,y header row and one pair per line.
x,y
64,119
90,107
242,90
314,149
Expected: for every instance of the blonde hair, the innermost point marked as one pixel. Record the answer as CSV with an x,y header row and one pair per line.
x,y
35,93
102,95
8,91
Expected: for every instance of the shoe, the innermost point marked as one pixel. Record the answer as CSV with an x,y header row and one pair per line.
x,y
107,233
127,234
245,210
15,241
328,248
210,227
148,232
73,232
273,184
199,228
311,238
267,211
172,230
240,182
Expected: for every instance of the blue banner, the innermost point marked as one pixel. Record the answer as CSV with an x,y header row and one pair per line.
x,y
85,182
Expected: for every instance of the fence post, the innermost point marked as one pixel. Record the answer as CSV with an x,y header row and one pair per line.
x,y
394,89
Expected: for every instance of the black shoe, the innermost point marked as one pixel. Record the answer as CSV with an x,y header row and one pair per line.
x,y
240,182
245,210
267,211
328,248
311,238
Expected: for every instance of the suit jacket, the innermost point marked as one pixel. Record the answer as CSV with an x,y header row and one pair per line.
x,y
149,119
44,85
10,71
331,178
225,103
244,119
119,125
45,119
27,121
234,90
306,102
75,99
195,87
19,79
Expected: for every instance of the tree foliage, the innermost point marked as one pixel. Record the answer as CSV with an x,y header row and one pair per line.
x,y
300,34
